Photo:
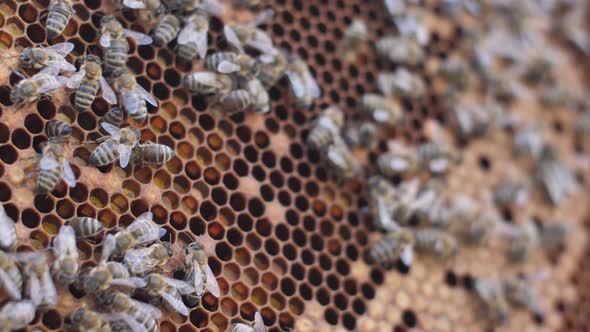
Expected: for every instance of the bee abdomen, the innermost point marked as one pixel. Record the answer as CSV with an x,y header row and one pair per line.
x,y
86,227
57,20
187,51
385,252
236,101
104,154
137,109
115,57
47,180
318,138
85,95
114,117
56,128
166,30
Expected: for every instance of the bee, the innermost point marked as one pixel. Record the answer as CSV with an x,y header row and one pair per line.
x,y
50,60
326,128
553,174
435,242
395,8
207,83
401,50
40,288
65,267
524,239
474,120
60,13
32,89
471,223
142,231
401,83
114,117
270,68
393,245
343,162
555,96
8,231
11,279
456,72
167,30
169,290
260,99
17,315
365,135
120,303
303,84
231,63
151,153
496,307
87,82
113,39
154,7
58,130
511,193
553,238
186,7
257,327
381,198
395,163
528,141
198,273
133,95
144,260
192,39
437,158
118,146
235,101
109,274
354,37
520,293
53,167
384,111
248,35
84,319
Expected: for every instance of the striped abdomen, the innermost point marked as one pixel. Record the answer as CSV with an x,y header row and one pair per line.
x,y
145,319
114,117
8,266
386,251
320,137
105,153
85,94
47,180
187,51
117,270
193,298
236,101
166,30
86,227
57,19
153,154
115,56
135,107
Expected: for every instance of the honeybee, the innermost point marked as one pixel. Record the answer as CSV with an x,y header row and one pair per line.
x,y
471,223
257,327
381,198
393,245
39,287
365,135
554,175
118,146
86,227
8,231
108,274
84,319
115,117
209,7
343,162
395,8
142,231
60,13
384,111
53,167
491,293
58,130
144,260
198,273
133,95
303,84
65,267
51,59
113,39
17,315
520,293
512,193
260,98
32,89
473,120
153,7
151,153
192,39
400,50
270,68
207,83
395,163
11,279
248,35
120,303
167,30
555,96
326,128
355,35
87,82
553,238
231,63
412,25
253,97
524,239
437,158
528,141
401,83
456,72
169,290
435,242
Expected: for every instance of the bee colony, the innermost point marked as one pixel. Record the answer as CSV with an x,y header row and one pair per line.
x,y
204,165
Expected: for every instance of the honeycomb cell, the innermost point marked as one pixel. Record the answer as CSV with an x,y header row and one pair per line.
x,y
31,218
65,209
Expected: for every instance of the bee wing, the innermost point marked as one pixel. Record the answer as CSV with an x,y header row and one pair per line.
x,y
185,35
140,38
258,323
133,325
135,4
148,308
108,247
66,66
107,92
145,95
145,216
264,46
111,129
48,162
52,69
68,174
105,40
53,84
183,287
213,7
49,288
232,38
74,80
312,86
263,17
124,154
175,303
62,49
212,285
34,288
197,281
131,282
226,67
407,255
190,34
9,286
297,84
65,241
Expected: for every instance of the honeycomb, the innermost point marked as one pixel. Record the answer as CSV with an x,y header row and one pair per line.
x,y
284,237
